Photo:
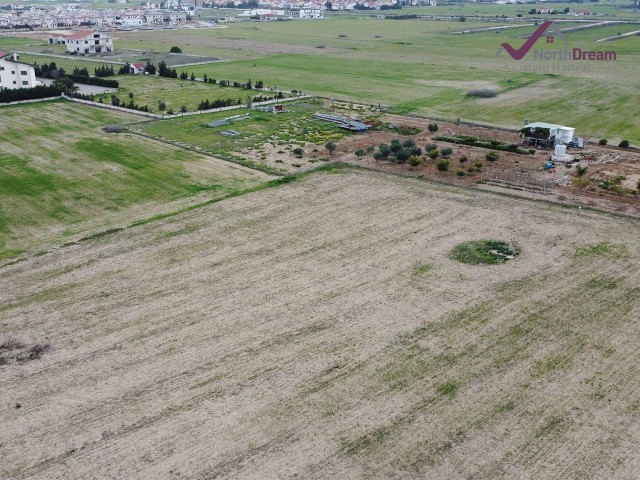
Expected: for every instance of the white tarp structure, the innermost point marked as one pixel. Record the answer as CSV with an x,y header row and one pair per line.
x,y
563,134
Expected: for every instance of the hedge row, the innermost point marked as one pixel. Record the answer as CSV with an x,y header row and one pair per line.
x,y
100,82
19,94
478,142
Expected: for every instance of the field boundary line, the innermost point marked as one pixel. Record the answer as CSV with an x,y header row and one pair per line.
x,y
70,57
329,167
200,150
35,100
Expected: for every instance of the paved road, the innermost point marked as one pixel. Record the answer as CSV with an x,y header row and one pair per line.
x,y
84,89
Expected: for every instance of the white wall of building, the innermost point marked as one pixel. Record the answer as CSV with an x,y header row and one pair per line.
x,y
15,74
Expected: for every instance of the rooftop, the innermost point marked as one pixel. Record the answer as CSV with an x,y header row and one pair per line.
x,y
548,125
79,35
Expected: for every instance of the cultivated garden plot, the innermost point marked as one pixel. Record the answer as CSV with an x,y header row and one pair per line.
x,y
64,177
263,139
325,329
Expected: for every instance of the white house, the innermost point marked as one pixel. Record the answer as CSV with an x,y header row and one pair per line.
x,y
136,68
87,42
177,17
131,19
15,74
154,17
311,13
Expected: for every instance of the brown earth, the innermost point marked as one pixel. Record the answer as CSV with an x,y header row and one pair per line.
x,y
603,162
320,330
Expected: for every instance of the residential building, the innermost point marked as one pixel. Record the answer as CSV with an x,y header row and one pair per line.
x,y
15,74
311,13
88,42
154,17
136,68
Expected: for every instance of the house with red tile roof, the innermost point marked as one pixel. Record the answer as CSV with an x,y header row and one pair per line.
x,y
84,42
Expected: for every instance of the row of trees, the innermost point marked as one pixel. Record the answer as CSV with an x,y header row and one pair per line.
x,y
218,103
116,102
397,151
48,70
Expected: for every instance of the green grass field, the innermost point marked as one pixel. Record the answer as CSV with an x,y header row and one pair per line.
x,y
174,92
419,67
62,176
67,62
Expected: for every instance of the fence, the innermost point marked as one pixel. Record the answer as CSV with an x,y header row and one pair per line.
x,y
517,179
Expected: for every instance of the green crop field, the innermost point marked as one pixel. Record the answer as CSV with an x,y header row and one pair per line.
x,y
62,176
175,92
420,67
67,62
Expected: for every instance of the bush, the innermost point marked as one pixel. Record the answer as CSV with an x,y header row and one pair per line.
x,y
430,147
414,161
433,127
298,152
482,93
433,154
463,159
100,82
492,156
581,182
603,141
359,152
488,252
460,173
175,50
442,165
479,165
624,144
580,170
113,128
446,152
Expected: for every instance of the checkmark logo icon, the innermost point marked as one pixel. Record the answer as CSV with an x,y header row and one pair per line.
x,y
518,54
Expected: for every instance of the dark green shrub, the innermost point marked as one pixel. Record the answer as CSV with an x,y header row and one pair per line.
x,y
492,156
443,165
446,152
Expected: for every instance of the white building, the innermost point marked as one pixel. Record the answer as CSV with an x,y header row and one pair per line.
x,y
177,17
15,74
88,42
561,133
311,13
154,17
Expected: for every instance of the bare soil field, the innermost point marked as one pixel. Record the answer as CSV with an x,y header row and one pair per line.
x,y
602,162
320,329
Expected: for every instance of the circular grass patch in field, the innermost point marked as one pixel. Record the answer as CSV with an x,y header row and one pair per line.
x,y
484,252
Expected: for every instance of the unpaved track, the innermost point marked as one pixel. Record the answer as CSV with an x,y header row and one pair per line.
x,y
285,334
